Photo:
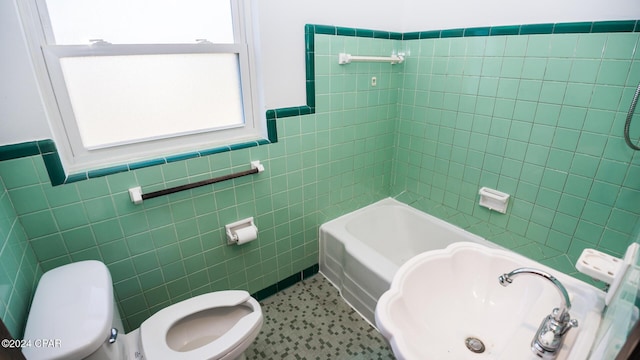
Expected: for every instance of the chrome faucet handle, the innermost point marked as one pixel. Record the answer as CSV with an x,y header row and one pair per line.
x,y
550,334
565,320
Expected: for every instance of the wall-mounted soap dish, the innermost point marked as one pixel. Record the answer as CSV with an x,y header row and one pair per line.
x,y
598,265
494,199
606,268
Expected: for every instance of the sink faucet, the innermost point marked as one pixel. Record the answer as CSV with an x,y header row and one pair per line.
x,y
550,335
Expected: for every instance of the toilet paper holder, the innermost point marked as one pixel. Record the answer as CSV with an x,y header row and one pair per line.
x,y
231,229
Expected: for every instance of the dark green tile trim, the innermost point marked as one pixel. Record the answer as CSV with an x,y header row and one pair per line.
x,y
283,284
451,33
272,130
368,33
345,31
310,66
217,150
530,29
286,112
244,145
292,111
180,157
76,177
480,31
54,168
263,142
614,26
146,163
430,34
57,175
309,41
265,293
309,29
395,36
536,29
19,150
573,28
47,146
271,114
413,35
504,30
107,171
310,271
306,110
311,93
324,30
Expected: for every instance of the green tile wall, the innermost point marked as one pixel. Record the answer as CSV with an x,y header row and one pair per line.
x,y
173,247
19,269
537,116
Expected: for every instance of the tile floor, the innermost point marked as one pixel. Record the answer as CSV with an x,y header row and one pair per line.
x,y
310,320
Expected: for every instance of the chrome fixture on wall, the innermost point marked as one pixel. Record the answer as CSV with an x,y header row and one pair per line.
x,y
627,124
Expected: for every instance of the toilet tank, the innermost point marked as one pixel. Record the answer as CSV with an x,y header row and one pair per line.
x,y
72,313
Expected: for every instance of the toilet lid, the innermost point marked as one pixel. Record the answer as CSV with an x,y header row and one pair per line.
x,y
153,331
73,308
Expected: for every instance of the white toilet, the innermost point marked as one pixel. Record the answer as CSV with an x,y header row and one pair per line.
x,y
74,316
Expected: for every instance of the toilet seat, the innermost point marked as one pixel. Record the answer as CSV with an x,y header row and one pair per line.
x,y
154,330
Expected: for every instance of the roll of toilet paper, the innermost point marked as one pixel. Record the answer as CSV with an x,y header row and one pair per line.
x,y
246,234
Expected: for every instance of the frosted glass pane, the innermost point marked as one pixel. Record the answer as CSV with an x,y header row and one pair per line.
x,y
141,21
126,99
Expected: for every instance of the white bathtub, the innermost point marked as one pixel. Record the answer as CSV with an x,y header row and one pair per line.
x,y
360,252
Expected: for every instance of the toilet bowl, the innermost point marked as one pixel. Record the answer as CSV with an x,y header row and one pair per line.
x,y
74,306
223,322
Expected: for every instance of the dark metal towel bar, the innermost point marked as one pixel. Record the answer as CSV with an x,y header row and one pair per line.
x,y
176,189
137,196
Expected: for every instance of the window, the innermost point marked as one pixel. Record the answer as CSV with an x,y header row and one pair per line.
x,y
134,79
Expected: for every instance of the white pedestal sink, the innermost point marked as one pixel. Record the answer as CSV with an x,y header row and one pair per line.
x,y
440,299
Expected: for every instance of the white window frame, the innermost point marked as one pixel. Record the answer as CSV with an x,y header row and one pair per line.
x,y
75,157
